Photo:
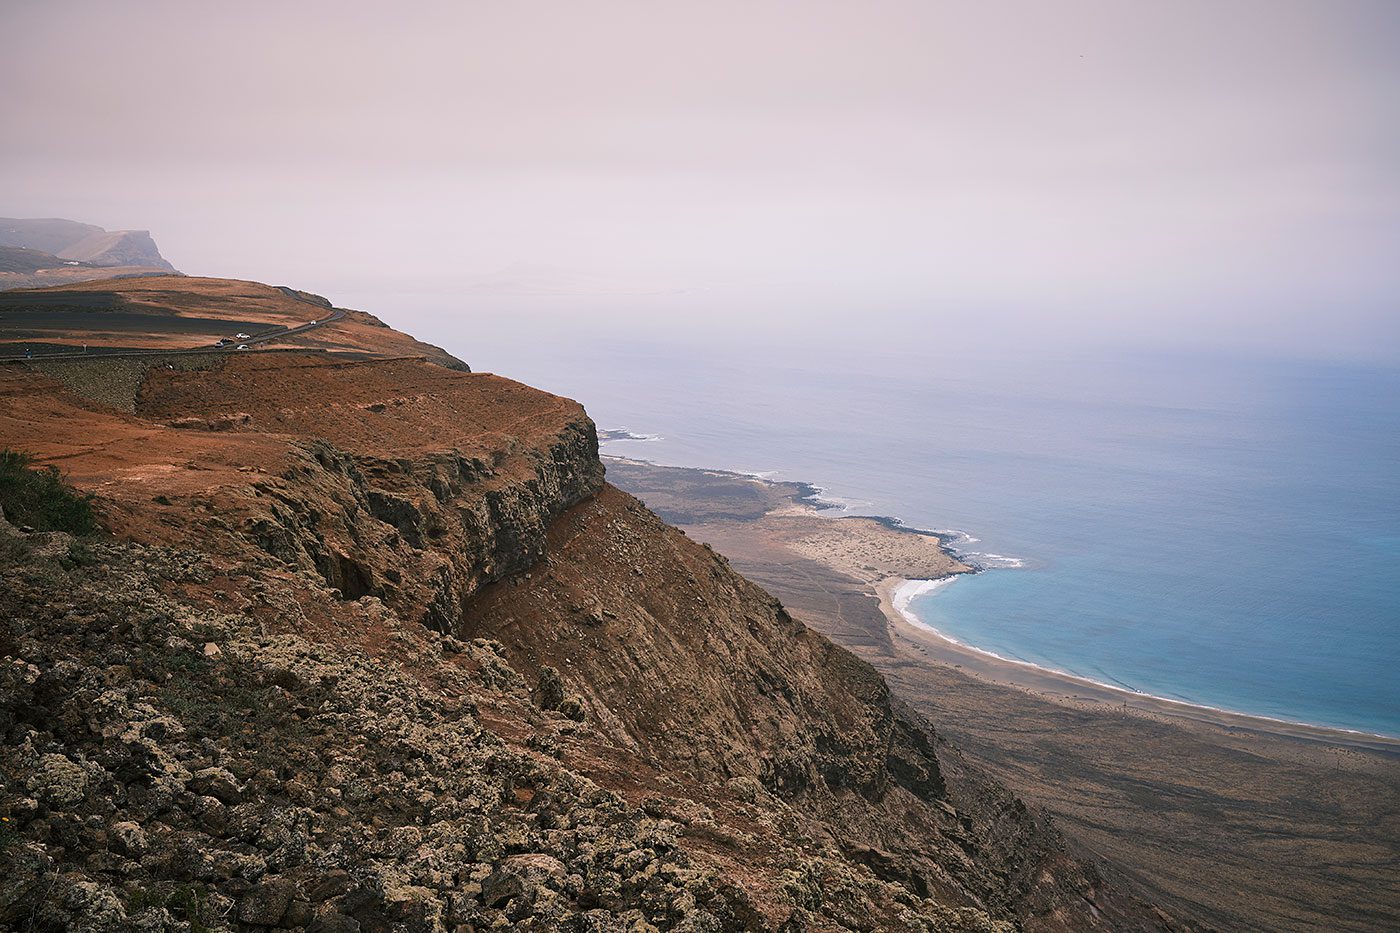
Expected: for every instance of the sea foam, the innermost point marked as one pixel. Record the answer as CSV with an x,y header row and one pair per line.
x,y
909,589
613,435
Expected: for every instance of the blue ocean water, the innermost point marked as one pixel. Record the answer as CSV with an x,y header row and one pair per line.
x,y
1223,532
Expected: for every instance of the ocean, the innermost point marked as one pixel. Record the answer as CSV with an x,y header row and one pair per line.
x,y
1224,532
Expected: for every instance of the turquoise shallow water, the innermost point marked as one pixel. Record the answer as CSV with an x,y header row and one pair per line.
x,y
1217,531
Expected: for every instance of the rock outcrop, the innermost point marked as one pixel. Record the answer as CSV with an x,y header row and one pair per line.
x,y
414,497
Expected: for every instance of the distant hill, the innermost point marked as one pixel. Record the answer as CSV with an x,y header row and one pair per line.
x,y
68,239
38,253
23,259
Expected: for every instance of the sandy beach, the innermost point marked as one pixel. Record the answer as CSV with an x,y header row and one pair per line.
x,y
1251,822
1063,687
885,556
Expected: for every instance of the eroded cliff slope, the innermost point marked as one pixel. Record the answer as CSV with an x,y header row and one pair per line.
x,y
37,253
86,243
373,646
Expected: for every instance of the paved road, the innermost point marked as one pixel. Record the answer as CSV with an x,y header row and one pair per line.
x,y
334,314
275,333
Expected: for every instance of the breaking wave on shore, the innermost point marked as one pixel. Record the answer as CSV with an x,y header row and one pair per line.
x,y
960,543
613,435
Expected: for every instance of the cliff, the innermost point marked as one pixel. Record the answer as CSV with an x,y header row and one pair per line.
x,y
84,243
372,645
41,253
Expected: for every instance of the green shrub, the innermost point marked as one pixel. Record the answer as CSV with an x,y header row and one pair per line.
x,y
80,554
188,902
37,496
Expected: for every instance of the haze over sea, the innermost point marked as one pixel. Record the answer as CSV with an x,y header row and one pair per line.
x,y
1220,531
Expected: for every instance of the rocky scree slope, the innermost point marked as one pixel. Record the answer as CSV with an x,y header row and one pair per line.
x,y
374,647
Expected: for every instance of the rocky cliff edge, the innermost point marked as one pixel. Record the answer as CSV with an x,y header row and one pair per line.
x,y
373,646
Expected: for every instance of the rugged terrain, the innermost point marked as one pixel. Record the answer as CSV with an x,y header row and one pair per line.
x,y
187,313
371,644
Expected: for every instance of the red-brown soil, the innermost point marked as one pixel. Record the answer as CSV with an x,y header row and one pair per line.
x,y
128,313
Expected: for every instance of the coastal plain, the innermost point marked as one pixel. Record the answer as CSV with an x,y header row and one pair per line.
x,y
1249,823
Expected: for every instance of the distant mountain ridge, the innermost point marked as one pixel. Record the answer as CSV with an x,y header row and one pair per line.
x,y
35,253
70,240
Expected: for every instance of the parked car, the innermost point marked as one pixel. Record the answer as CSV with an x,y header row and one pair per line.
x,y
240,336
241,346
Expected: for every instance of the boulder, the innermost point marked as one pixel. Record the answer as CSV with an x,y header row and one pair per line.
x,y
266,903
218,783
58,781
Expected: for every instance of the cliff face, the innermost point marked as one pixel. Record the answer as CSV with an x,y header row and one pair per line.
x,y
394,656
118,248
85,243
410,483
43,253
703,676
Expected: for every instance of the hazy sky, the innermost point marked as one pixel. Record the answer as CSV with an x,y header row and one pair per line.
x,y
1219,173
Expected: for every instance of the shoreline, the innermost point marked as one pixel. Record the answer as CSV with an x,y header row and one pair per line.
x,y
1205,809
1076,690
812,498
1057,686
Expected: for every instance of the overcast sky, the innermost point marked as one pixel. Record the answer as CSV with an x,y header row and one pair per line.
x,y
1160,173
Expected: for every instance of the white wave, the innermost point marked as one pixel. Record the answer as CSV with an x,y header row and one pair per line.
x,y
909,589
960,543
820,495
823,497
614,435
997,561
